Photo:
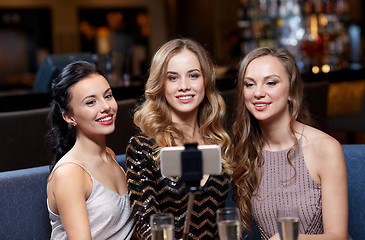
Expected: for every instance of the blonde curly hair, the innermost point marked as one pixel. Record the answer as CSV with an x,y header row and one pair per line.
x,y
153,115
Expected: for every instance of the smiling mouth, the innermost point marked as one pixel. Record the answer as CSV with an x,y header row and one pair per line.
x,y
261,104
105,119
185,97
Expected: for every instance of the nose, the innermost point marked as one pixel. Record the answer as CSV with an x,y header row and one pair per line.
x,y
259,92
184,84
105,106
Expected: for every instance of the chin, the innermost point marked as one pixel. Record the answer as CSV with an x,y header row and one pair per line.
x,y
109,130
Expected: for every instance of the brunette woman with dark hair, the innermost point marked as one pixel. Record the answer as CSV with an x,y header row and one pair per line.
x,y
87,191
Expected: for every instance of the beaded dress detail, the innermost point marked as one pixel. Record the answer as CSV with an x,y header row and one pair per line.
x,y
279,185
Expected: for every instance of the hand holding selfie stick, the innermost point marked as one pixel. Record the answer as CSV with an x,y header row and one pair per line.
x,y
192,173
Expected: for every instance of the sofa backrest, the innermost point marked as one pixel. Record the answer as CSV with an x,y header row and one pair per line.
x,y
355,163
124,126
23,139
24,215
23,204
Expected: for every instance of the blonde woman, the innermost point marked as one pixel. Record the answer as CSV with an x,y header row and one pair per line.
x,y
181,105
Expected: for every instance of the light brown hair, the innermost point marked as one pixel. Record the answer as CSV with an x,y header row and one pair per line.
x,y
248,140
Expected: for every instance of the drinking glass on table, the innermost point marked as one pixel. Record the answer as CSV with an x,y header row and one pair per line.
x,y
228,220
162,226
288,222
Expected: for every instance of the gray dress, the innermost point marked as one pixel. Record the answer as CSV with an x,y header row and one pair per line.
x,y
278,187
109,214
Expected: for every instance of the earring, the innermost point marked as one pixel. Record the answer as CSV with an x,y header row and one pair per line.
x,y
74,124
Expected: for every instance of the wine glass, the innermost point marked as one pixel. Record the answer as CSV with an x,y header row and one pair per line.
x,y
228,220
288,222
162,226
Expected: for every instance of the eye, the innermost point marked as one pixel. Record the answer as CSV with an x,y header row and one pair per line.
x,y
272,83
109,96
172,78
194,76
90,102
248,84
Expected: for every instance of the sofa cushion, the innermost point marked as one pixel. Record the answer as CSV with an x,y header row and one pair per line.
x,y
355,163
23,204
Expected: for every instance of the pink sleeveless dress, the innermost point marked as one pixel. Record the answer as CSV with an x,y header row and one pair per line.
x,y
278,187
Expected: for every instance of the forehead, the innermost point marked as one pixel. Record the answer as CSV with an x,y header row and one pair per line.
x,y
89,85
266,63
183,59
265,66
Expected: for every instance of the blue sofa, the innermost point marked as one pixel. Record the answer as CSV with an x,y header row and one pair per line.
x,y
23,209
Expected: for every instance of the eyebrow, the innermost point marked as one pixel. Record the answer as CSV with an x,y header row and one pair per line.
x,y
265,78
91,96
192,70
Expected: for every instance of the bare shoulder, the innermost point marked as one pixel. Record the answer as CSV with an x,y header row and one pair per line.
x,y
67,184
324,149
318,140
68,172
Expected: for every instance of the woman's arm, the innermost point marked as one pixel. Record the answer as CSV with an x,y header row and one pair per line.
x,y
330,167
71,187
333,176
142,184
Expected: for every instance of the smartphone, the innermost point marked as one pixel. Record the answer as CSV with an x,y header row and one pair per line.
x,y
170,158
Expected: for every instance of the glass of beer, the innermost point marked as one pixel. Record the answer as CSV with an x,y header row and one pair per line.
x,y
288,222
228,220
162,226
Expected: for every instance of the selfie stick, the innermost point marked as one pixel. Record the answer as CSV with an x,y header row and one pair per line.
x,y
192,173
188,215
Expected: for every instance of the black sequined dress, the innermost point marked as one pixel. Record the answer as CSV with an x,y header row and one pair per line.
x,y
150,192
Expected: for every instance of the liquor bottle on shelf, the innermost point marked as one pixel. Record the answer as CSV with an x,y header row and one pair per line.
x,y
315,31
